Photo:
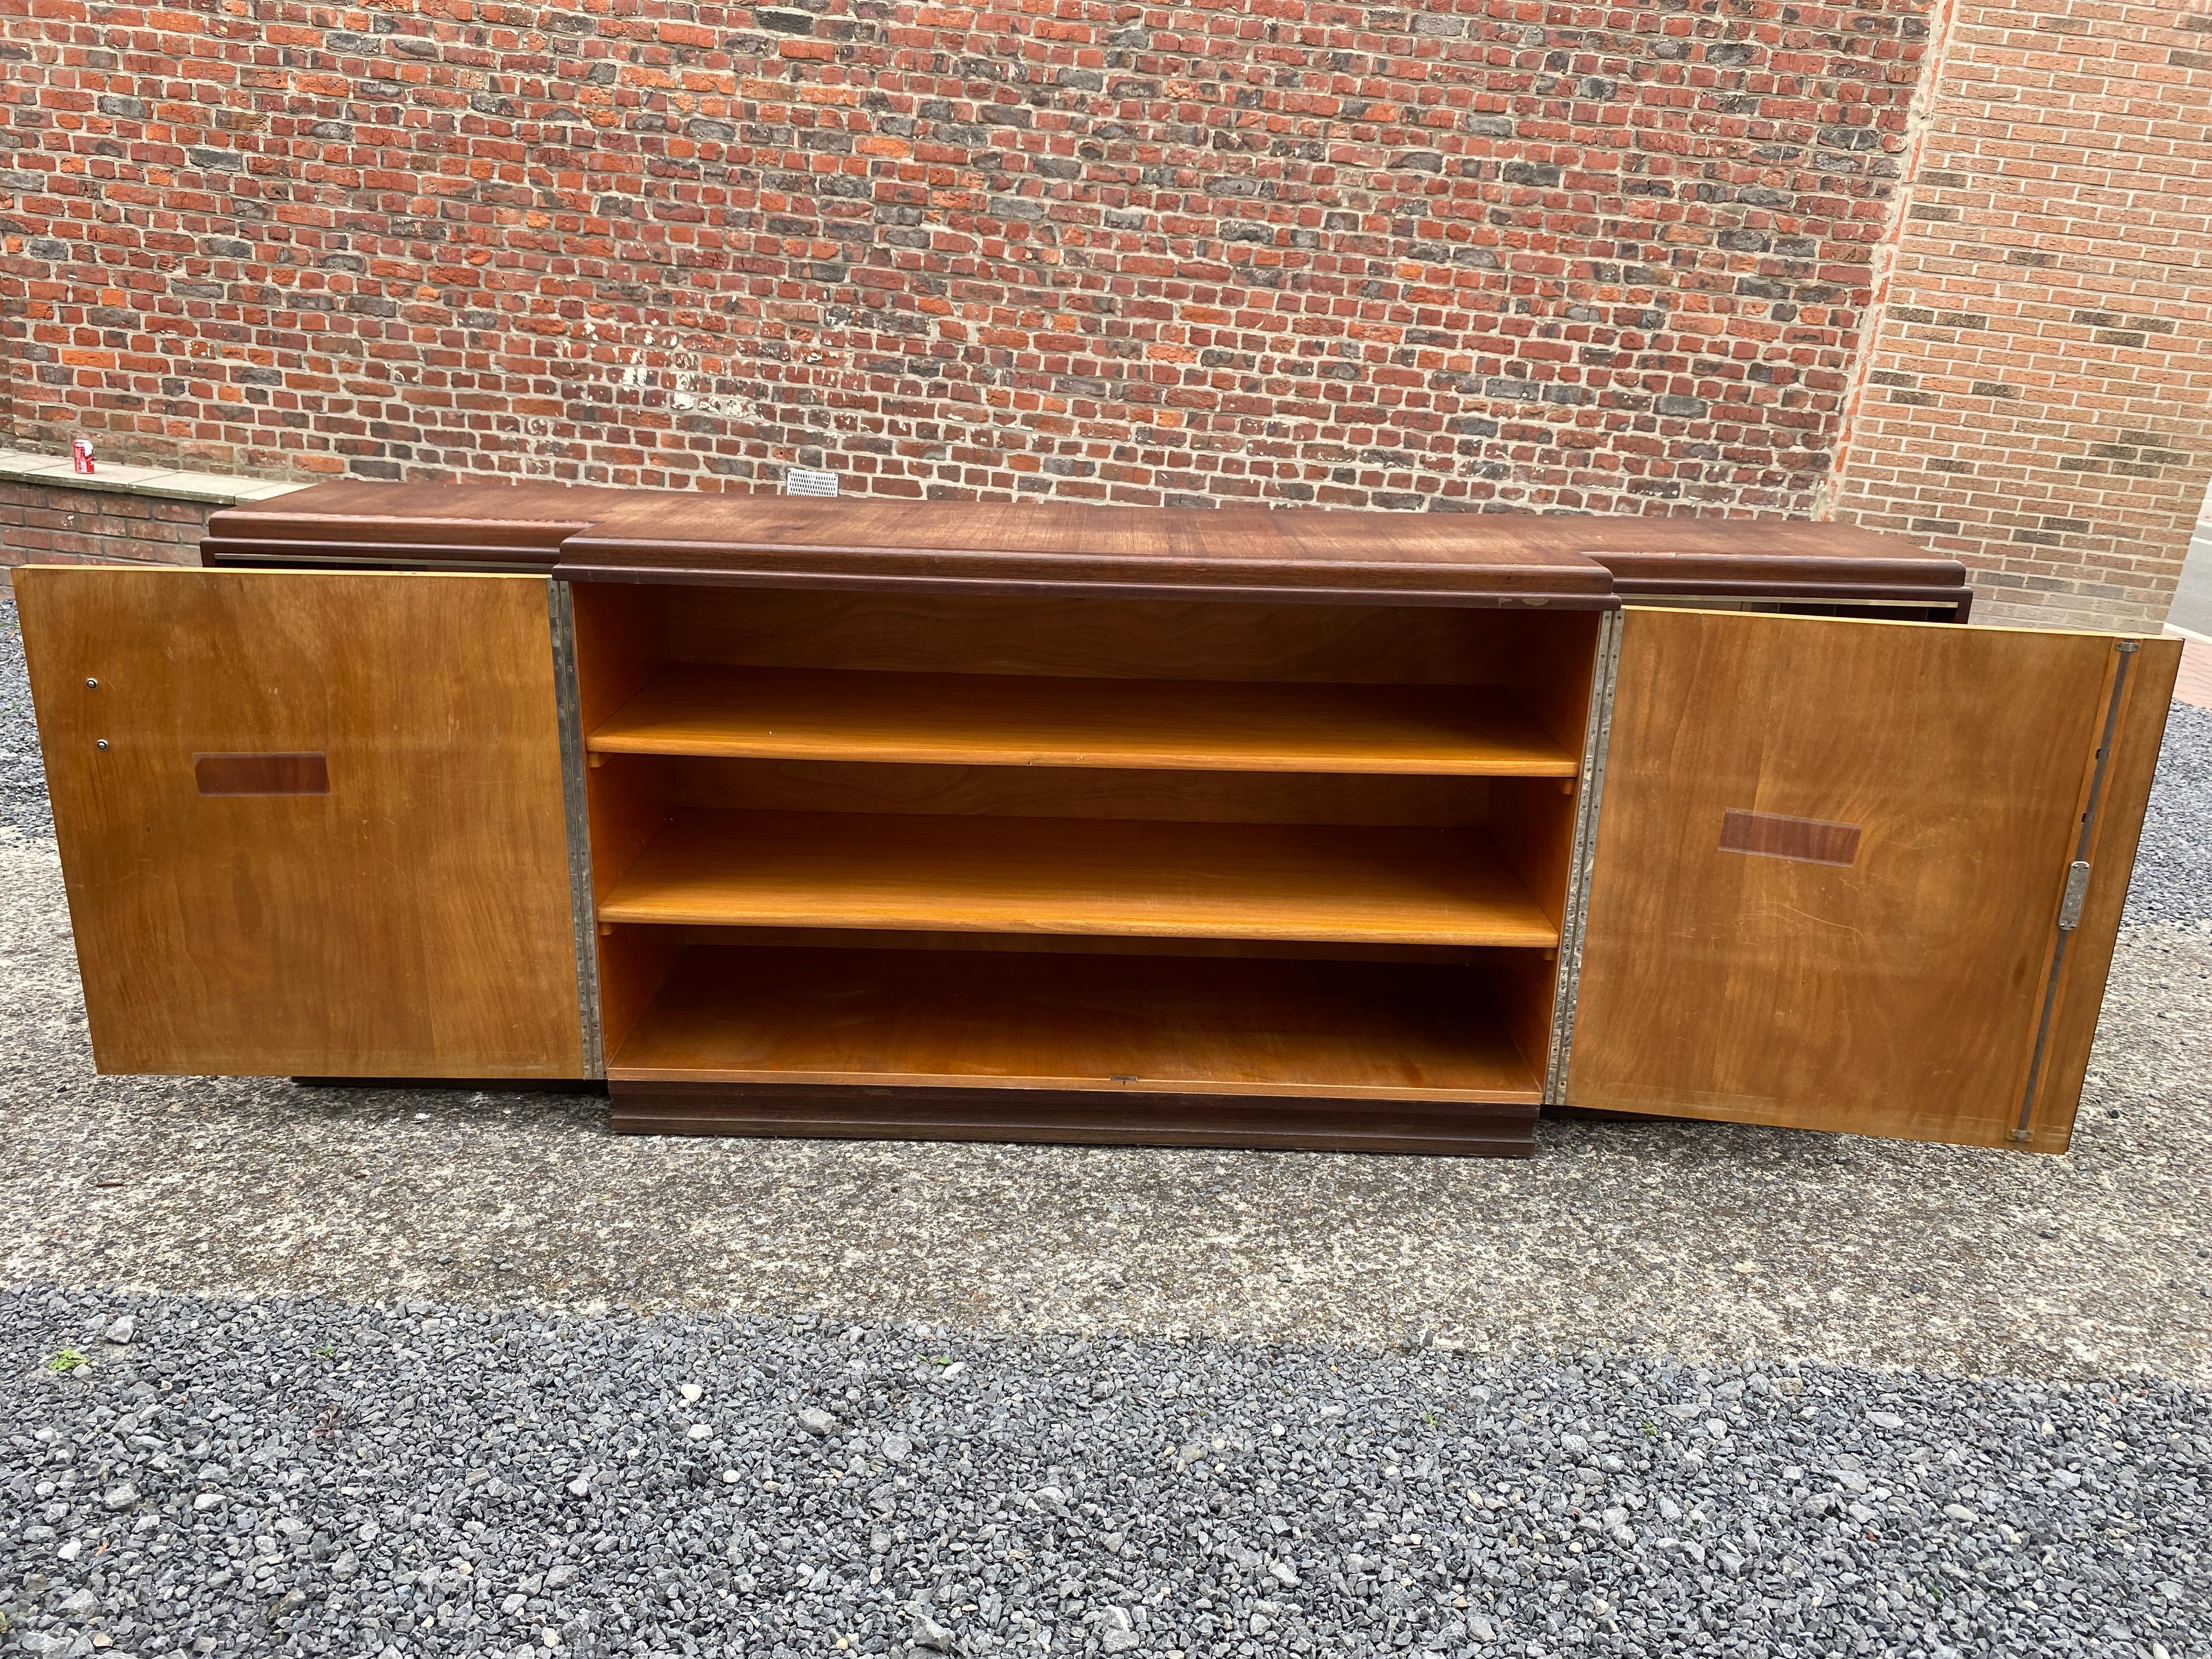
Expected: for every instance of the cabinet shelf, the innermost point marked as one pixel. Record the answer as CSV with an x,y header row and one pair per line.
x,y
1112,876
1111,1024
1001,719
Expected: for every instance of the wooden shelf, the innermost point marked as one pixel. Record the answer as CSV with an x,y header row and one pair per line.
x,y
1005,720
1159,1025
1080,876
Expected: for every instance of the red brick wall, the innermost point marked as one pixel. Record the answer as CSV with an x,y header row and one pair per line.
x,y
1597,256
43,525
2038,398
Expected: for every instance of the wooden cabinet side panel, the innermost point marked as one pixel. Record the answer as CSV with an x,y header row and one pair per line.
x,y
1829,864
414,921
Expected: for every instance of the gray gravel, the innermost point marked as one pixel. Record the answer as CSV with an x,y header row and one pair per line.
x,y
1710,1240
1478,1452
1705,1239
2172,879
302,1477
23,777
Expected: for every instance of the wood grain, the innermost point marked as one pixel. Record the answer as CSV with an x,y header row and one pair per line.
x,y
1066,792
635,962
467,525
1520,987
1768,835
1071,876
1071,1116
877,939
1083,637
1113,1024
262,775
1534,824
1790,559
522,525
629,799
944,546
413,921
2146,699
1548,661
988,720
621,642
1898,995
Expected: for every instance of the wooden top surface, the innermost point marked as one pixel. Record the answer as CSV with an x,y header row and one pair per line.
x,y
518,515
591,532
690,537
1710,556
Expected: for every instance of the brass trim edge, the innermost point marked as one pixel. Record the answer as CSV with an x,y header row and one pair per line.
x,y
561,607
1596,738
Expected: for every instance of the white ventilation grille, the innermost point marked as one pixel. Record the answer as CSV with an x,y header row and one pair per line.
x,y
804,481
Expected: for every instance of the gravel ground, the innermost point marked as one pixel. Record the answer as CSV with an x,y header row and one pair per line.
x,y
1087,1352
1710,1240
2173,880
22,778
303,1477
1706,1239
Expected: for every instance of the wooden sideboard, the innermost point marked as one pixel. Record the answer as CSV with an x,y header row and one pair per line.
x,y
1276,828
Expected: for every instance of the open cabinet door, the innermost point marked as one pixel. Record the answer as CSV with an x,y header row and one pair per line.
x,y
310,823
1834,882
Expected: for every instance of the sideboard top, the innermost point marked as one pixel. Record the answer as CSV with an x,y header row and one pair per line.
x,y
583,533
1014,546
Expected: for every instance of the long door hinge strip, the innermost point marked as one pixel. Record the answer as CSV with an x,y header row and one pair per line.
x,y
2076,890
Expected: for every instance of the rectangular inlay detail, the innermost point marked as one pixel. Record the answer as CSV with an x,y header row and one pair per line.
x,y
1769,835
262,775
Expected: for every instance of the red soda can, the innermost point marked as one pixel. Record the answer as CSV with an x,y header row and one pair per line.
x,y
80,454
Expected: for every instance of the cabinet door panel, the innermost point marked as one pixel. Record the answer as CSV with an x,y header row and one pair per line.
x,y
1830,863
310,823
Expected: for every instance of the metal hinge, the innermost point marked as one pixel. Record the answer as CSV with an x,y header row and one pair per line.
x,y
2077,886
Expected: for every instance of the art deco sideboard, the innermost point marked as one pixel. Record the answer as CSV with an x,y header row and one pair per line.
x,y
1277,829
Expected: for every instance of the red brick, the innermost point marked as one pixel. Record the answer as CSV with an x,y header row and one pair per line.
x,y
1294,258
40,524
2075,418
1580,256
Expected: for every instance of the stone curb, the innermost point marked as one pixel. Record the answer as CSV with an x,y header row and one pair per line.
x,y
30,467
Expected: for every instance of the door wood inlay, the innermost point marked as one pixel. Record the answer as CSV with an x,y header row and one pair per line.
x,y
1775,835
262,775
